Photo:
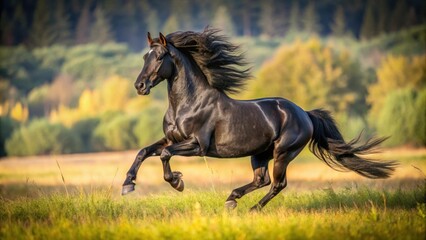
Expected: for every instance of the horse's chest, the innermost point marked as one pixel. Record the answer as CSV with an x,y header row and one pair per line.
x,y
177,130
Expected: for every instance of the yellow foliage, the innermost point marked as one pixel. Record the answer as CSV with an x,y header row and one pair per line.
x,y
114,93
87,102
66,116
87,107
135,105
396,72
19,112
311,75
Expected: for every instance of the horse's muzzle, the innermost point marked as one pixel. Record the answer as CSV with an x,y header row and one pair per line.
x,y
144,91
142,88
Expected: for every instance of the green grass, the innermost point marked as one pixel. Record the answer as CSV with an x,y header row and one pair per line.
x,y
349,213
318,203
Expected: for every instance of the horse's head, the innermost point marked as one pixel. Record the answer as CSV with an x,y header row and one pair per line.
x,y
157,67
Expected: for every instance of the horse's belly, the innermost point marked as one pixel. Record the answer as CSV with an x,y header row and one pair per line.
x,y
239,145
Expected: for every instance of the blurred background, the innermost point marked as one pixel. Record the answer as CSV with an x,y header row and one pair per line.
x,y
67,68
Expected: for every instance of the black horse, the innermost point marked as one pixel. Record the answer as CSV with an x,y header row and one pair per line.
x,y
202,120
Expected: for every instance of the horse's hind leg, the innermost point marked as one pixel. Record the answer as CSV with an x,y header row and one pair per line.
x,y
261,178
282,157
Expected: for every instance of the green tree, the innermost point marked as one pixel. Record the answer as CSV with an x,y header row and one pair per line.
x,y
399,16
368,29
396,72
383,17
338,26
420,124
171,24
21,69
38,103
223,21
61,24
403,117
83,26
50,58
7,126
310,19
112,58
116,134
147,128
153,24
20,24
132,25
41,137
5,88
100,31
84,129
294,21
7,36
182,9
246,13
267,19
42,33
411,19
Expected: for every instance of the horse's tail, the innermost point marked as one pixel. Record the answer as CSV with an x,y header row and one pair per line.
x,y
328,145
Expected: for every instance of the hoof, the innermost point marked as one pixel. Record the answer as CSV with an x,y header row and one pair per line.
x,y
177,177
127,189
256,208
231,204
180,186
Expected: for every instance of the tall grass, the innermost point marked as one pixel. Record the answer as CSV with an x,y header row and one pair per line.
x,y
351,213
41,199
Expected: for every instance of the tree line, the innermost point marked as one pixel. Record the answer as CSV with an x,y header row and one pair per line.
x,y
80,99
46,22
67,67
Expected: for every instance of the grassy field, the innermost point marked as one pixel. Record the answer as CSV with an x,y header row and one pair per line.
x,y
319,203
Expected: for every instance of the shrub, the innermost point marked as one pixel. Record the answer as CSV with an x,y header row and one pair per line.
x,y
94,63
84,130
41,137
38,101
7,125
149,126
115,134
22,69
395,73
403,117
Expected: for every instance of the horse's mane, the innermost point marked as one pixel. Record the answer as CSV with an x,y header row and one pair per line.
x,y
221,62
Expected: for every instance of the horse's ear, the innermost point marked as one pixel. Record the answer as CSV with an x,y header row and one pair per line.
x,y
149,38
163,40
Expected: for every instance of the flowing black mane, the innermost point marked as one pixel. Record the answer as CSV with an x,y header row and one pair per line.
x,y
221,61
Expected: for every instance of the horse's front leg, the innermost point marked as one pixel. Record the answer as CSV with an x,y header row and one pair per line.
x,y
188,147
152,150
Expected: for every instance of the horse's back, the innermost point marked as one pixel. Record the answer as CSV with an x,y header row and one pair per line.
x,y
293,119
252,126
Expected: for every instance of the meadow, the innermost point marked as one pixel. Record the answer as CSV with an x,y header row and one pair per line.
x,y
78,197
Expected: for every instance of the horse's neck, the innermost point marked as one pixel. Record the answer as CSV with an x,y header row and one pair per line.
x,y
188,85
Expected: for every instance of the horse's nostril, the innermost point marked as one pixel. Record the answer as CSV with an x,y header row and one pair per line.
x,y
140,85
